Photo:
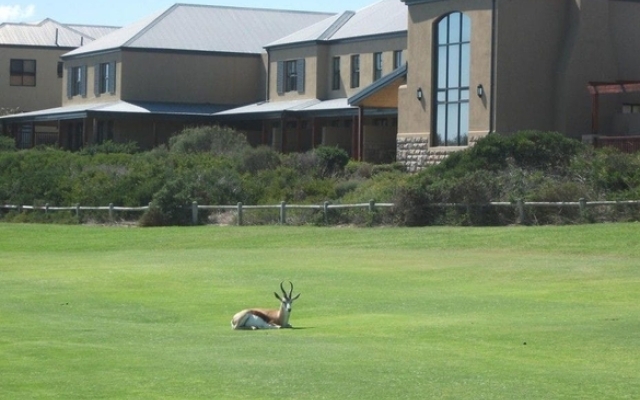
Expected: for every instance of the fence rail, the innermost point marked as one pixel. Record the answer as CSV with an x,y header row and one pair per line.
x,y
283,207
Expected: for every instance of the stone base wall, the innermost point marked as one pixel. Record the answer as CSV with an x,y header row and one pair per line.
x,y
414,152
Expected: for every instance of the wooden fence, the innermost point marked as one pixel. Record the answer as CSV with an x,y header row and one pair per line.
x,y
239,209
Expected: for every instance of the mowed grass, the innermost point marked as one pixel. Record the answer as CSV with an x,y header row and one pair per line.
x,y
386,313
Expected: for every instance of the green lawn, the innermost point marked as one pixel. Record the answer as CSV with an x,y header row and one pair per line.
x,y
385,313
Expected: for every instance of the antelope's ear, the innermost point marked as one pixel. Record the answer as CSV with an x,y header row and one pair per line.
x,y
277,296
298,295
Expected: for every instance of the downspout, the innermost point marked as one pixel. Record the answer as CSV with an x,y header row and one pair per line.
x,y
492,102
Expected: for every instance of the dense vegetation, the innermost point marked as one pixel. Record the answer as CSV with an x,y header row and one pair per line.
x,y
213,165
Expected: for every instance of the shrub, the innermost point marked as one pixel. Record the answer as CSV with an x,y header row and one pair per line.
x,y
111,147
215,140
7,143
259,159
332,159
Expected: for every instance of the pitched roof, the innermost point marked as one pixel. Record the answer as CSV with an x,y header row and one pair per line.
x,y
50,33
381,18
206,28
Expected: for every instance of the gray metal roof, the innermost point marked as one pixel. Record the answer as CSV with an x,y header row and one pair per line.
x,y
206,28
50,33
381,18
77,111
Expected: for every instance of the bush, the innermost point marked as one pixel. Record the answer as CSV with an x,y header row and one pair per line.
x,y
111,147
216,140
7,143
332,160
547,151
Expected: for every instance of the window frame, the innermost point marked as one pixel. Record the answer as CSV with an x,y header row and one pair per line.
x,y
335,82
76,81
452,64
377,66
397,59
291,76
355,71
18,72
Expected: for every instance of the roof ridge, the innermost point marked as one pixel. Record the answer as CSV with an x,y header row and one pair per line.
x,y
335,27
328,13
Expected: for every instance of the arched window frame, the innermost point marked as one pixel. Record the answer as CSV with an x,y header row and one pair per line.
x,y
452,63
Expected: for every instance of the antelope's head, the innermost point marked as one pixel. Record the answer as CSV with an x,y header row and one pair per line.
x,y
286,300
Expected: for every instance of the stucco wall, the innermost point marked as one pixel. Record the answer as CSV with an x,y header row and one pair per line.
x,y
191,78
48,89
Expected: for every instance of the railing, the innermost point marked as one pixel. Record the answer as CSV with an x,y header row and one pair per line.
x,y
520,207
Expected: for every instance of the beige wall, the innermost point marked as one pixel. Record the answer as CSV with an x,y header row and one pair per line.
x,y
192,78
310,55
319,66
546,52
46,93
91,63
416,116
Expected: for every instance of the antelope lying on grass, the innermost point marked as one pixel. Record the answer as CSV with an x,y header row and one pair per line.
x,y
260,318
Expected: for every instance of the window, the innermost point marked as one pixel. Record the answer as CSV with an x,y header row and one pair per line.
x,y
631,109
76,81
290,76
291,81
398,61
60,69
355,71
105,74
335,85
452,61
23,72
377,66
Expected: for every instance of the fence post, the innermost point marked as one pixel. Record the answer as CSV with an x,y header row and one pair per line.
x,y
583,206
78,210
283,213
520,208
111,212
325,208
194,212
239,214
46,208
372,206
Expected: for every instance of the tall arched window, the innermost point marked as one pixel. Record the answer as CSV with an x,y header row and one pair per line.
x,y
452,63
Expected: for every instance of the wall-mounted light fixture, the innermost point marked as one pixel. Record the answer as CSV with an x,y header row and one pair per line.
x,y
480,90
419,94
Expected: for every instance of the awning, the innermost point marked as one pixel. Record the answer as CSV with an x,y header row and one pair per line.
x,y
383,92
277,109
115,109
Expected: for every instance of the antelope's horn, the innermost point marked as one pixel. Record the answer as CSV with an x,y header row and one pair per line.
x,y
284,292
291,291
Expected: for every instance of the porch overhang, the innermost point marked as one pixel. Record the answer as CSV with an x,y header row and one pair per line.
x,y
598,88
383,93
118,109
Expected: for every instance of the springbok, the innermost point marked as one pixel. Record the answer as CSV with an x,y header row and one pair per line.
x,y
261,318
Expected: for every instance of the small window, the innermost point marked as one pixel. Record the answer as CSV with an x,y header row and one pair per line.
x,y
105,75
76,81
336,74
60,69
377,66
631,109
291,79
355,71
23,72
398,60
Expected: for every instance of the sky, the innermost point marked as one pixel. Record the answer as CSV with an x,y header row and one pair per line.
x,y
124,12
